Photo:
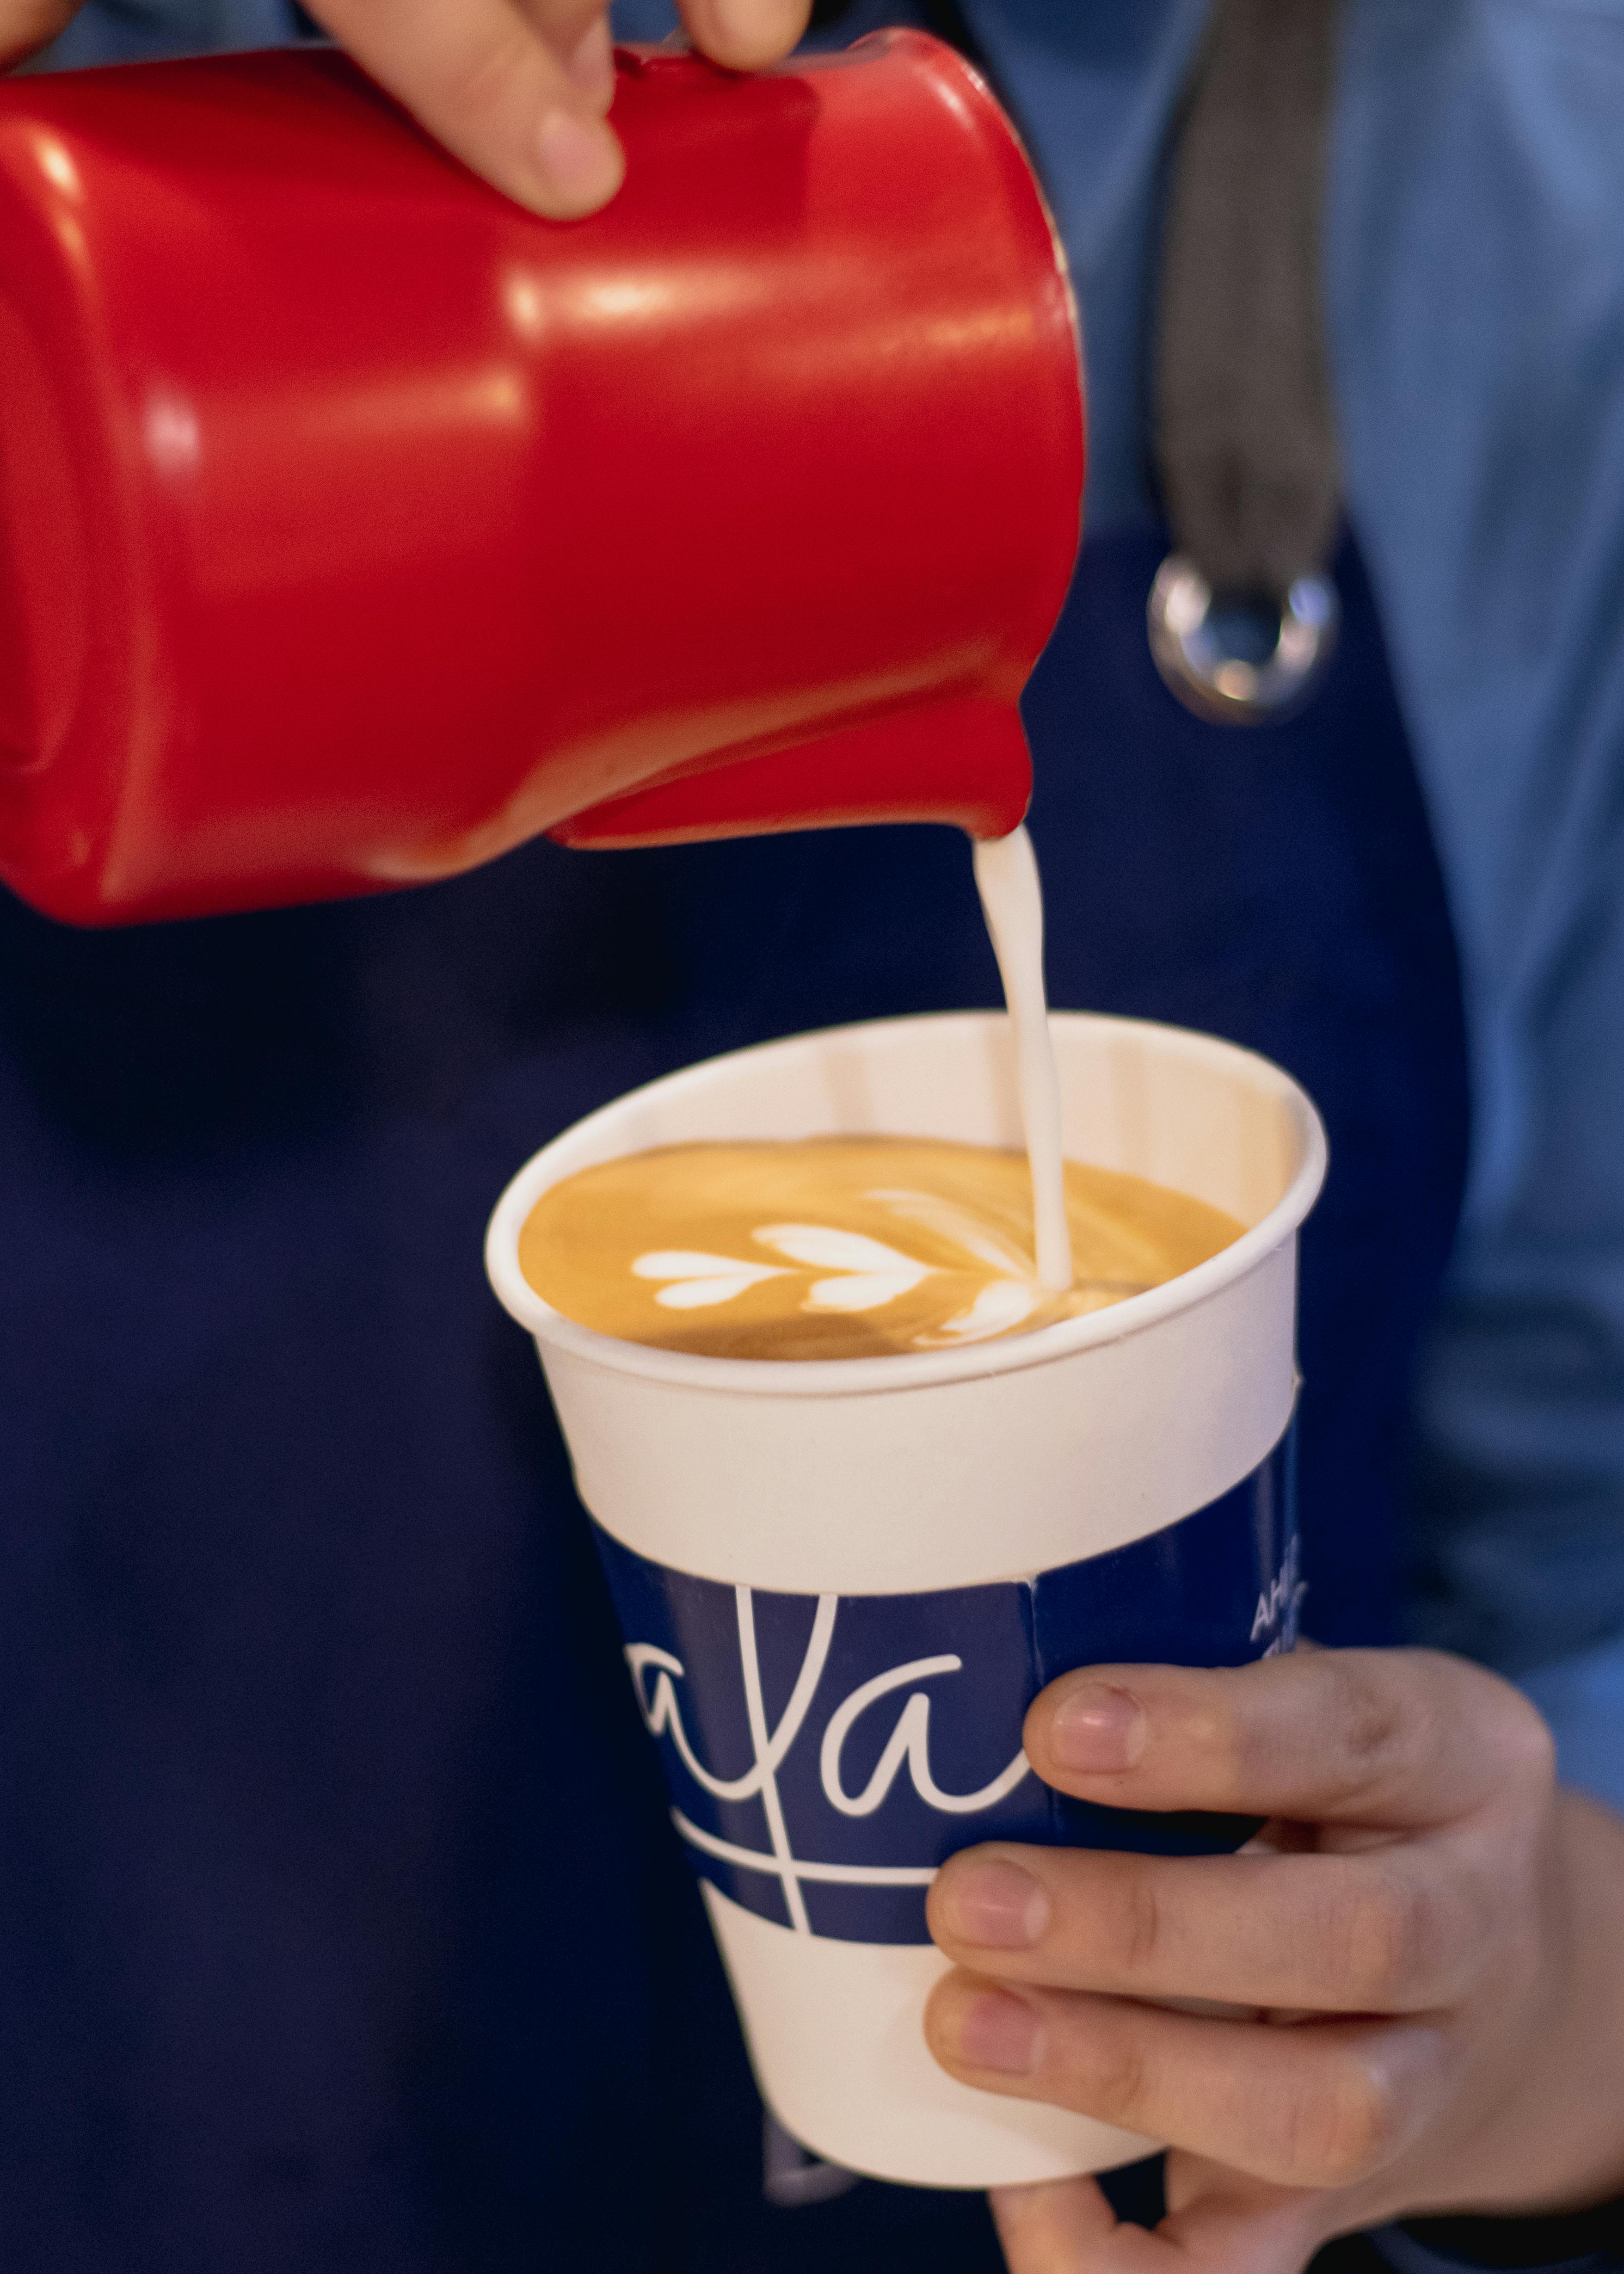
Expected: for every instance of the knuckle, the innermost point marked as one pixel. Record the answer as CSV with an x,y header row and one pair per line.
x,y
1373,1720
1132,1926
1389,1936
1110,2077
1222,1733
1482,1716
476,84
1525,1744
1343,2127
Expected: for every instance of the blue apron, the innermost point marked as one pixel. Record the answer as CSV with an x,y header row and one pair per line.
x,y
341,1929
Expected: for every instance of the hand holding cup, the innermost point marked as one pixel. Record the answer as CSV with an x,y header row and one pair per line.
x,y
1426,1944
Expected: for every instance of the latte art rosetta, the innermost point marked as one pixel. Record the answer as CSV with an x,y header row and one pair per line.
x,y
843,1246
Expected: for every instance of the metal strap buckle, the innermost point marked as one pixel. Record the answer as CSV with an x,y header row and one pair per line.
x,y
1196,652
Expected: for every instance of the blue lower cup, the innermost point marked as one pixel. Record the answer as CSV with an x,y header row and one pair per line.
x,y
841,1584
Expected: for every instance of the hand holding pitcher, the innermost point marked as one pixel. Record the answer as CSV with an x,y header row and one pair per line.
x,y
518,92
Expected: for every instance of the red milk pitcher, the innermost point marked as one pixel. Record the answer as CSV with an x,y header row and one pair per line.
x,y
357,525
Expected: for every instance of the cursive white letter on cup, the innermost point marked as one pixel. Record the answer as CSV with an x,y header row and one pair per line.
x,y
909,1741
661,1712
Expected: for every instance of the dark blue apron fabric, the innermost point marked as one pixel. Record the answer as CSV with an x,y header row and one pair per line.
x,y
342,1930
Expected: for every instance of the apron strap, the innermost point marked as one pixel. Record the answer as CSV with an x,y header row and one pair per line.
x,y
1243,433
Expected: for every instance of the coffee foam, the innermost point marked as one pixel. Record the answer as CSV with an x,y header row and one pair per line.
x,y
840,1248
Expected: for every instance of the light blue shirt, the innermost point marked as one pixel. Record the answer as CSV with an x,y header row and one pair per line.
x,y
1476,291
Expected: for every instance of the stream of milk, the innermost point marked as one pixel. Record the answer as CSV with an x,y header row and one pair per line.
x,y
1006,876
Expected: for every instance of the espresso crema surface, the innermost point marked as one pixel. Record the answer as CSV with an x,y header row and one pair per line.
x,y
842,1247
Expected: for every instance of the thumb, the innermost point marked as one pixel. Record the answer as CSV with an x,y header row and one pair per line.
x,y
1226,2222
1223,2223
1066,2226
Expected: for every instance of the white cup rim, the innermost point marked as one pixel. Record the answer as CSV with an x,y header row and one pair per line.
x,y
876,1376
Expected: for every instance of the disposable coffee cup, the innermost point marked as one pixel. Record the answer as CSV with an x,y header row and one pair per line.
x,y
842,1582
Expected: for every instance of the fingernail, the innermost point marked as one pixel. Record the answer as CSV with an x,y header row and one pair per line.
x,y
994,1906
998,2032
591,64
1095,1730
579,158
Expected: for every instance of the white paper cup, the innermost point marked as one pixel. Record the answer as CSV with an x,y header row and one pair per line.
x,y
842,1582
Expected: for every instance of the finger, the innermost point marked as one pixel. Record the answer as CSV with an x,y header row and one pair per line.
x,y
1324,2105
1068,2227
1388,1737
578,33
745,34
1392,1930
26,26
589,58
477,77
